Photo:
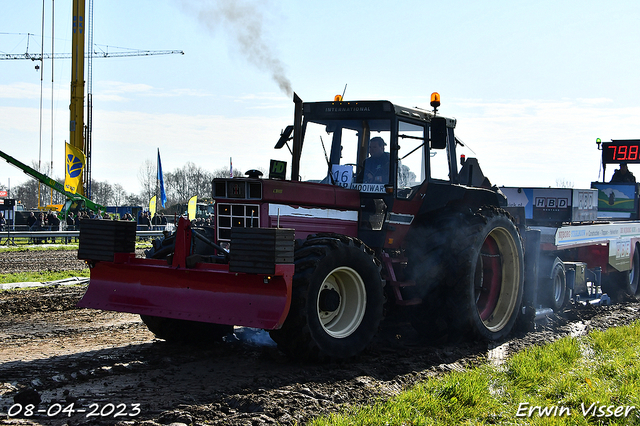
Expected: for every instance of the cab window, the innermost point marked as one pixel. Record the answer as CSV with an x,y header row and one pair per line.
x,y
411,158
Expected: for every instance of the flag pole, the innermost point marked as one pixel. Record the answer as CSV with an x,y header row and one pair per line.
x,y
157,182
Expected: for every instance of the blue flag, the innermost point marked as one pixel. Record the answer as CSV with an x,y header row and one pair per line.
x,y
163,195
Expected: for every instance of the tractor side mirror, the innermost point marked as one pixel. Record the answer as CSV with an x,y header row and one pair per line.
x,y
285,136
438,133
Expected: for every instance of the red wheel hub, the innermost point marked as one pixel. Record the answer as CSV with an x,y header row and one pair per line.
x,y
489,283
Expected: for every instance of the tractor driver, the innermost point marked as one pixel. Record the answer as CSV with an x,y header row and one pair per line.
x,y
376,167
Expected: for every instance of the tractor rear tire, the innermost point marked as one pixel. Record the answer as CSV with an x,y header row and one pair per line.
x,y
490,280
184,331
337,300
482,290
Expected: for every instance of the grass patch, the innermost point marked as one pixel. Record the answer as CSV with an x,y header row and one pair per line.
x,y
42,276
37,247
589,380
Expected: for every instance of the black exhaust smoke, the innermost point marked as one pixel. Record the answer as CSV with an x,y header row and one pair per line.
x,y
243,20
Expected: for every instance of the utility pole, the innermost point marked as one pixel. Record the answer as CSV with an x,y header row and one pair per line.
x,y
76,120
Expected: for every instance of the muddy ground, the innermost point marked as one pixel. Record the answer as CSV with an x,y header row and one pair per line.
x,y
79,366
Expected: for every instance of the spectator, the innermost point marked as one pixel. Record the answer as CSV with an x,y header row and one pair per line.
x,y
70,222
623,175
38,225
163,221
144,223
31,220
76,221
155,222
41,222
54,223
70,225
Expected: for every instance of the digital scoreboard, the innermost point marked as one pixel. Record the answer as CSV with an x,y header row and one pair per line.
x,y
621,151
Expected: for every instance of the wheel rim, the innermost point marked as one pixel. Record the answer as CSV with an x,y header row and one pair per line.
x,y
341,302
497,279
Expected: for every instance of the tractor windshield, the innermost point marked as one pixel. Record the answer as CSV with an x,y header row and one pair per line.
x,y
349,153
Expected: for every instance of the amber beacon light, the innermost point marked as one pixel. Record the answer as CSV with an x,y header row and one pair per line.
x,y
435,101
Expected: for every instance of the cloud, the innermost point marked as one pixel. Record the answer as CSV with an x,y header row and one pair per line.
x,y
517,142
20,91
535,142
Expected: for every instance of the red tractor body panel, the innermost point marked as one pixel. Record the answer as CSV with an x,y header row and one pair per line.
x,y
307,207
309,194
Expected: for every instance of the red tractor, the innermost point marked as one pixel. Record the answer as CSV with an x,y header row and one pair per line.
x,y
376,215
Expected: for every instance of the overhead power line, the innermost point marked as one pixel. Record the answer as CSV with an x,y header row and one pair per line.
x,y
41,56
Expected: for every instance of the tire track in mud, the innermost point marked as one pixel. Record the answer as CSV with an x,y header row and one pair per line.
x,y
40,260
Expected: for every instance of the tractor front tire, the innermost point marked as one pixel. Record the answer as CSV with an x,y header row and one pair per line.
x,y
337,300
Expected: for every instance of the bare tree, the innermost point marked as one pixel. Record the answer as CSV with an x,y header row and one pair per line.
x,y
31,191
147,176
184,183
102,192
119,195
223,172
27,193
133,200
202,182
177,186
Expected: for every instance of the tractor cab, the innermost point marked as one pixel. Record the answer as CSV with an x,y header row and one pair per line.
x,y
374,147
397,158
364,169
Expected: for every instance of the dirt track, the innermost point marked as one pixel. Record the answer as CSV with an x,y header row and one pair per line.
x,y
110,365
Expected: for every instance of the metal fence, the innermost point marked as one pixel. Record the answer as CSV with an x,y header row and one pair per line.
x,y
8,237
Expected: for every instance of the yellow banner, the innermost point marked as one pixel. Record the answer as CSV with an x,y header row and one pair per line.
x,y
191,209
152,207
74,166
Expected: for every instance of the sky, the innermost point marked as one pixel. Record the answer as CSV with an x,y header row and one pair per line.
x,y
531,84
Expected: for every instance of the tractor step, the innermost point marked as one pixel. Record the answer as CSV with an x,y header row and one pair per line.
x,y
396,284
